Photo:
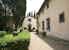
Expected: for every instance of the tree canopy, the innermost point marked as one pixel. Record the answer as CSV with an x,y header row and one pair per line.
x,y
21,7
18,8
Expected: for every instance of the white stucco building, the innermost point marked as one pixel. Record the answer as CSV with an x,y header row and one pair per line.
x,y
29,20
54,18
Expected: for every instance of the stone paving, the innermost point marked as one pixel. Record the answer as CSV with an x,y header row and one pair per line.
x,y
47,43
37,43
56,43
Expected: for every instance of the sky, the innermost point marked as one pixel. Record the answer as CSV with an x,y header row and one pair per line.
x,y
33,5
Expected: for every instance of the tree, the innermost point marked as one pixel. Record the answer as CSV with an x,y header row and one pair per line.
x,y
20,11
18,8
21,7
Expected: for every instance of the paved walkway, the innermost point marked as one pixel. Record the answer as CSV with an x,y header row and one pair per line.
x,y
56,43
47,43
38,44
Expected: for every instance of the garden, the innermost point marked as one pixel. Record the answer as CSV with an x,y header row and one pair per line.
x,y
12,41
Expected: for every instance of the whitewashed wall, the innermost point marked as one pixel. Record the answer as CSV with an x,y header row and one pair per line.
x,y
56,7
26,22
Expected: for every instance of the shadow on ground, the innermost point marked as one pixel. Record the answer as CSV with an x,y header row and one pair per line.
x,y
56,43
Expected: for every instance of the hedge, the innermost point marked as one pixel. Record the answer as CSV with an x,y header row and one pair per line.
x,y
17,42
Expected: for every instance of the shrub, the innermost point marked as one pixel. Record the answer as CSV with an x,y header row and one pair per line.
x,y
15,42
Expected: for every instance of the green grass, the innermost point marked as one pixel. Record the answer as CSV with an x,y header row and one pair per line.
x,y
8,37
24,35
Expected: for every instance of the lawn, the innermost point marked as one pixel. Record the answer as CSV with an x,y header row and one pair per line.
x,y
21,40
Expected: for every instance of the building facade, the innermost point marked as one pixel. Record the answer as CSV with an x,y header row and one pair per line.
x,y
54,18
29,24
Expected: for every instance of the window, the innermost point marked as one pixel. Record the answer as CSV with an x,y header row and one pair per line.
x,y
25,28
48,24
29,20
29,27
61,18
43,26
47,5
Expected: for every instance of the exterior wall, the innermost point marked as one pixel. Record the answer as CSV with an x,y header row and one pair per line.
x,y
56,7
26,22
